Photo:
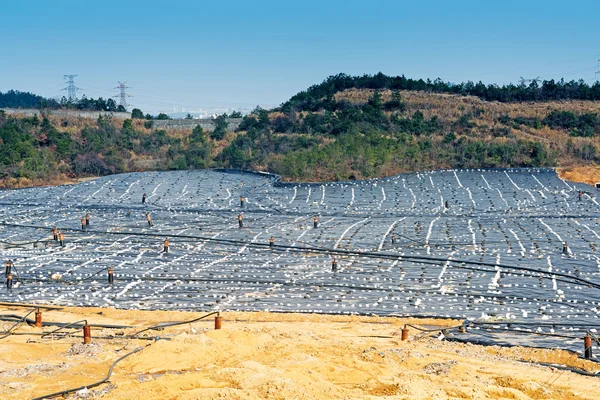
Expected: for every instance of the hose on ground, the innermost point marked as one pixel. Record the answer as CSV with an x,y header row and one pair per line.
x,y
91,385
168,324
21,320
76,323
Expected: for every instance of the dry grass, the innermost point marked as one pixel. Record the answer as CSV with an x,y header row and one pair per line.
x,y
19,183
448,108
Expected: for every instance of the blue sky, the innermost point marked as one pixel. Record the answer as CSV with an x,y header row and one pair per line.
x,y
239,53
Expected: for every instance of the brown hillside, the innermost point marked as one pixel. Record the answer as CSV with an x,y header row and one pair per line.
x,y
448,108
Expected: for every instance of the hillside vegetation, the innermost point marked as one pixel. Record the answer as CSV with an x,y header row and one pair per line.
x,y
364,133
18,99
323,134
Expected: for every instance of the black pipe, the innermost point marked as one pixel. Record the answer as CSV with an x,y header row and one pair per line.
x,y
65,392
548,275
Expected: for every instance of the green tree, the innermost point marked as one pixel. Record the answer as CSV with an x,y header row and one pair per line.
x,y
136,113
127,125
198,135
395,102
220,128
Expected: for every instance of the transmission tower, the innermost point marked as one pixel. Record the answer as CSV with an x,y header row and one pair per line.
x,y
71,88
122,96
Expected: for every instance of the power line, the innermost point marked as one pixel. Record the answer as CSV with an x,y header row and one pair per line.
x,y
71,88
122,95
168,103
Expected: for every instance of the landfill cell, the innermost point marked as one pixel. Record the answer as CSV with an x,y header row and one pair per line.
x,y
485,245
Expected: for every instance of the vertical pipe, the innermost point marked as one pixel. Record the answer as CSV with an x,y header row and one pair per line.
x,y
404,333
38,318
87,334
587,344
111,275
218,322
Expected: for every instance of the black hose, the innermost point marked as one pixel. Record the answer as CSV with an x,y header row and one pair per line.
x,y
13,317
43,307
564,368
168,324
448,328
72,324
91,385
87,277
529,332
7,333
416,259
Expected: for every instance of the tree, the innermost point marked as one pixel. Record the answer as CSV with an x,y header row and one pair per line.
x,y
235,114
395,103
220,128
198,135
136,113
375,100
163,116
90,164
111,105
128,125
189,116
198,154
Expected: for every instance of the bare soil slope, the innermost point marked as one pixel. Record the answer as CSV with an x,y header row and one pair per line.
x,y
276,356
589,174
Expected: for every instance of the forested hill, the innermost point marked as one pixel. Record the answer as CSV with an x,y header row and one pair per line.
x,y
338,130
364,133
311,99
17,99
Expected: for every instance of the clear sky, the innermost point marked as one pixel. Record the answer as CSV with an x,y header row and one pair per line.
x,y
243,53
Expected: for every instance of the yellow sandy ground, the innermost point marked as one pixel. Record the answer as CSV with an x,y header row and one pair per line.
x,y
584,174
277,356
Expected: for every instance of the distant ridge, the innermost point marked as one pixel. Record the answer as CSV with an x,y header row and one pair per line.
x,y
547,90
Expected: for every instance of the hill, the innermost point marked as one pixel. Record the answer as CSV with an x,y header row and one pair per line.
x,y
26,100
17,99
364,133
350,133
548,90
